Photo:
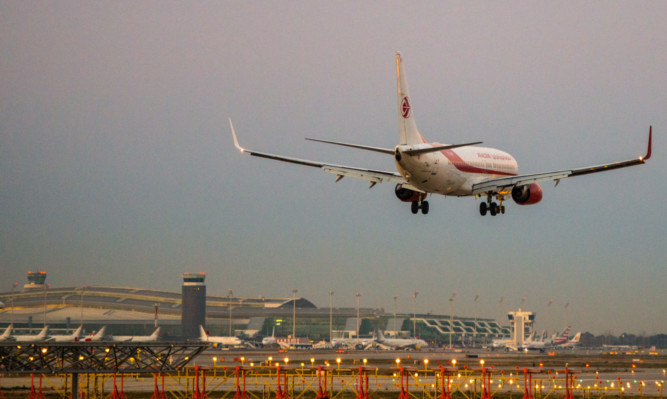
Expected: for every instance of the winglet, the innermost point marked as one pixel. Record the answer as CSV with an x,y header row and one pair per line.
x,y
236,141
650,140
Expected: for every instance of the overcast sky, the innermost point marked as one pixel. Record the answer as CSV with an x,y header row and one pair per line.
x,y
117,165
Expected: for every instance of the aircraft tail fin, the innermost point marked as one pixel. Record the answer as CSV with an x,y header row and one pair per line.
x,y
7,332
77,332
202,333
407,127
99,334
43,333
155,335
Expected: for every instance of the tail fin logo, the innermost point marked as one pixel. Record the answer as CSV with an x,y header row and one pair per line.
x,y
405,108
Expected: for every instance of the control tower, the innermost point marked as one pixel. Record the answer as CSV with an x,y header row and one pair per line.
x,y
522,325
36,281
193,309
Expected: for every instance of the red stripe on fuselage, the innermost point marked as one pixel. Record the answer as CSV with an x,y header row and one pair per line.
x,y
463,166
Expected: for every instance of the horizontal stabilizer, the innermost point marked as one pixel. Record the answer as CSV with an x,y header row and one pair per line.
x,y
438,148
389,151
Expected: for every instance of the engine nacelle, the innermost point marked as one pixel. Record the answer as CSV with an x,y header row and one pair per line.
x,y
527,195
407,195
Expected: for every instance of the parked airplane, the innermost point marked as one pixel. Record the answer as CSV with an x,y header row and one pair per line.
x,y
399,343
323,345
573,342
66,338
32,337
270,341
561,338
500,343
295,343
7,335
135,338
447,169
224,341
533,344
353,343
98,336
508,344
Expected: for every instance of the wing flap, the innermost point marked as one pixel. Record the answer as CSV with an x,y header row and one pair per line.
x,y
373,176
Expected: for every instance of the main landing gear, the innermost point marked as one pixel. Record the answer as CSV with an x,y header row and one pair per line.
x,y
420,204
490,206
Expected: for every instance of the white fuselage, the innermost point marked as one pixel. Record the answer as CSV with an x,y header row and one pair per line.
x,y
402,343
32,338
453,172
353,343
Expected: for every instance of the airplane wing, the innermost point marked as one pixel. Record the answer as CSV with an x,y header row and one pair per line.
x,y
370,175
506,183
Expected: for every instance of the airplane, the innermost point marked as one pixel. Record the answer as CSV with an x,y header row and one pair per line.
x,y
270,341
461,170
66,338
7,335
500,343
134,338
508,344
573,342
353,343
323,345
400,343
41,336
535,344
561,338
98,336
224,341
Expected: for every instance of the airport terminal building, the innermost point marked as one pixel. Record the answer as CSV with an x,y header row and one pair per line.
x,y
137,311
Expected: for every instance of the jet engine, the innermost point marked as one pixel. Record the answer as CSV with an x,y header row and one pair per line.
x,y
406,195
527,195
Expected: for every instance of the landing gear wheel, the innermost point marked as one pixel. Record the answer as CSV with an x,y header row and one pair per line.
x,y
502,209
494,209
482,208
415,207
424,207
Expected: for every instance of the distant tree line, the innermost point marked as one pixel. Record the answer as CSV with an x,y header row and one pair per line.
x,y
641,341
